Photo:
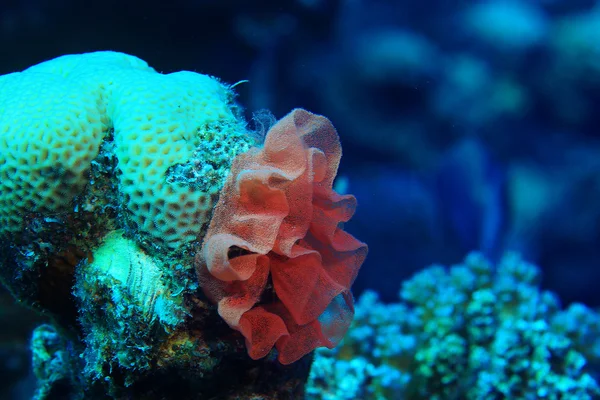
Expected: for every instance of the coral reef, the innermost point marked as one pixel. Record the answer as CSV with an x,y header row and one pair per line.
x,y
473,331
405,83
109,175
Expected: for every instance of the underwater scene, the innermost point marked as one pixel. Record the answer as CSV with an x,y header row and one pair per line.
x,y
300,199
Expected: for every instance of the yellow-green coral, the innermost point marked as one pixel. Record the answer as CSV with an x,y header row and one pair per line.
x,y
133,277
128,300
174,138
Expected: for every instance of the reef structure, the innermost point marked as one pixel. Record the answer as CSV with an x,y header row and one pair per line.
x,y
474,330
110,173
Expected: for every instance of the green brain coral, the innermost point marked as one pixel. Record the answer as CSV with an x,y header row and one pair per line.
x,y
173,137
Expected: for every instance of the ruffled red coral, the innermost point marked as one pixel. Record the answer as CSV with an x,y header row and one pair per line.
x,y
275,258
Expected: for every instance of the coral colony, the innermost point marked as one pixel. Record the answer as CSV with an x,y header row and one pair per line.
x,y
141,214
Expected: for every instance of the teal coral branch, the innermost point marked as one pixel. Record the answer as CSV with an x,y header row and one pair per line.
x,y
471,331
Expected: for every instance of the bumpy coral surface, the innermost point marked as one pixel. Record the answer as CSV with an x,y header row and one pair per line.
x,y
275,258
174,138
473,331
109,173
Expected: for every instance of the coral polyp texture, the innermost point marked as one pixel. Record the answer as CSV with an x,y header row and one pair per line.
x,y
472,331
174,137
279,211
110,174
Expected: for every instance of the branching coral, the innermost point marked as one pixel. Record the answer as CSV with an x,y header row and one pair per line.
x,y
274,258
474,331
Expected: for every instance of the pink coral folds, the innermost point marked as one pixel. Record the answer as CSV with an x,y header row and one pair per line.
x,y
275,258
